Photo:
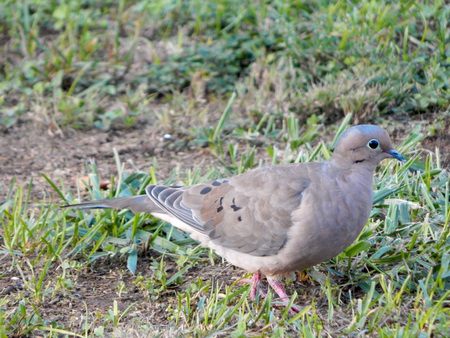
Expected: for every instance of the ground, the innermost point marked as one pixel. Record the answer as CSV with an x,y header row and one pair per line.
x,y
26,151
149,81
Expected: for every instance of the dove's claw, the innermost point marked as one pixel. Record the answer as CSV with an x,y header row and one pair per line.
x,y
255,283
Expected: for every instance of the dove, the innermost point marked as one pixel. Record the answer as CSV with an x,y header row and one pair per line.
x,y
277,219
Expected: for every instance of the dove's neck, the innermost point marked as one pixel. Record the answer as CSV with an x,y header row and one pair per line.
x,y
360,172
345,163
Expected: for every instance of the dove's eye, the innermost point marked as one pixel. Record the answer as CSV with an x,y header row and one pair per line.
x,y
373,144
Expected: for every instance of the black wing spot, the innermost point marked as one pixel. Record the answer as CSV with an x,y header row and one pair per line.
x,y
240,219
220,208
234,206
359,161
216,183
205,190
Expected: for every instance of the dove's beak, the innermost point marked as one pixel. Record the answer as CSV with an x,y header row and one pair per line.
x,y
396,155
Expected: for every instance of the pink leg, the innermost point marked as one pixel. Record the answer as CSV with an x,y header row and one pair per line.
x,y
255,282
276,286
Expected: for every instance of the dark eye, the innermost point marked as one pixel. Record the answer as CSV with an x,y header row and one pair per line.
x,y
373,144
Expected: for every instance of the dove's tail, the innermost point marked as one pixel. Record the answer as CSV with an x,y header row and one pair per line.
x,y
135,204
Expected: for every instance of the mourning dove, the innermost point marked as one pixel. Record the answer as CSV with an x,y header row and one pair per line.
x,y
277,219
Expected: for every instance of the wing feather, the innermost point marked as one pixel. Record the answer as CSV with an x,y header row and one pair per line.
x,y
249,213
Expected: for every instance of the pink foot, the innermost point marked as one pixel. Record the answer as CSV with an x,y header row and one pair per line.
x,y
255,283
276,286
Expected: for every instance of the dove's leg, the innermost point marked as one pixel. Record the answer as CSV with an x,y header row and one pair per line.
x,y
276,286
255,283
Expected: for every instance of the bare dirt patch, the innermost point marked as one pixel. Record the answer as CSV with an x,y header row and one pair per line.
x,y
26,152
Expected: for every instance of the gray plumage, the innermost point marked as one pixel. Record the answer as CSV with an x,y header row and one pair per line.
x,y
277,219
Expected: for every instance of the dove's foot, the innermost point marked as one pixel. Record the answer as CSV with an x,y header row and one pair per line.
x,y
276,286
255,283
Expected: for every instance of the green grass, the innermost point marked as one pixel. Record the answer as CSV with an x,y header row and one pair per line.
x,y
81,65
251,83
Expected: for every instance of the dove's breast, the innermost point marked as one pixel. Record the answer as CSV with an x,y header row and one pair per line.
x,y
331,215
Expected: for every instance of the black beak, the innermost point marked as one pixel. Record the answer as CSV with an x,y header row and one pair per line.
x,y
396,155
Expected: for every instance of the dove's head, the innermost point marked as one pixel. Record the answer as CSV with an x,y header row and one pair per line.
x,y
364,145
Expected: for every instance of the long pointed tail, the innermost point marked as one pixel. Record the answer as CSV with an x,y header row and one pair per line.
x,y
136,204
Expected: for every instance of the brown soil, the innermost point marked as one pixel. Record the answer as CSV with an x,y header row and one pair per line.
x,y
27,152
